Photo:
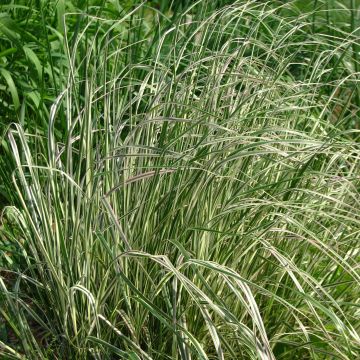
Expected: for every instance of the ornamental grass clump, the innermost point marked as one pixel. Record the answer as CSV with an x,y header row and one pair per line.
x,y
202,199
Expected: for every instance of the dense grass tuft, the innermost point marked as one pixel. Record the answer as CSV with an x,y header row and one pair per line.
x,y
196,192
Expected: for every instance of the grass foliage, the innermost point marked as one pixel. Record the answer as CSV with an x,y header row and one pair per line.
x,y
193,191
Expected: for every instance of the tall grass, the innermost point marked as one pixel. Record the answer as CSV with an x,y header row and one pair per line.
x,y
202,200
